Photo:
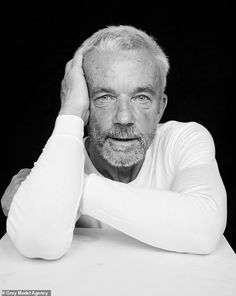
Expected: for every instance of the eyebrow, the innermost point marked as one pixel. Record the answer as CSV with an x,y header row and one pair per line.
x,y
102,90
146,88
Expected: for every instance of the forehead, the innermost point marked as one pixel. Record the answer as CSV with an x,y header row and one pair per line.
x,y
120,68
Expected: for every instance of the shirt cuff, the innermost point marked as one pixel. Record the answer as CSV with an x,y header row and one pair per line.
x,y
71,125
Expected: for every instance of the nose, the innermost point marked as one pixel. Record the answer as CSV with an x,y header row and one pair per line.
x,y
123,113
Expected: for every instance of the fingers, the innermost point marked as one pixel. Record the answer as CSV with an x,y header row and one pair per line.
x,y
74,91
77,59
20,176
26,170
68,66
23,172
76,62
12,189
5,211
74,65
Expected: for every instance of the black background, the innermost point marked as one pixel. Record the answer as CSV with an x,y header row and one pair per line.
x,y
40,40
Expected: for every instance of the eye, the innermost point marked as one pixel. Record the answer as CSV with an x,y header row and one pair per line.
x,y
142,99
103,100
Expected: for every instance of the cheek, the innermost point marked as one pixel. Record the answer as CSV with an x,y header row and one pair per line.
x,y
146,121
99,119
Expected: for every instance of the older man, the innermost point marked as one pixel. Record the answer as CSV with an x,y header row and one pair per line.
x,y
158,183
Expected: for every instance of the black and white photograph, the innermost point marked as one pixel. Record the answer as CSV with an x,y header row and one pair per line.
x,y
118,153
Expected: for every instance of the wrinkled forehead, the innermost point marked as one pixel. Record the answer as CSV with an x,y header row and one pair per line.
x,y
108,64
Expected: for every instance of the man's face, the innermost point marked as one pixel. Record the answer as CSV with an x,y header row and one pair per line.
x,y
125,104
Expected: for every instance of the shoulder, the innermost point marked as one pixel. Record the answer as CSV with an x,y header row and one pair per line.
x,y
173,131
177,128
189,143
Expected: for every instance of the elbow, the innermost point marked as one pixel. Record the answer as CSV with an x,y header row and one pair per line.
x,y
208,239
35,246
207,235
206,245
47,251
198,244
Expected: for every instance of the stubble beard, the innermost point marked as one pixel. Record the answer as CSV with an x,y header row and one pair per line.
x,y
121,155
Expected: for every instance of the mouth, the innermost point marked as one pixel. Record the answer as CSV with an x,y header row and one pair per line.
x,y
124,141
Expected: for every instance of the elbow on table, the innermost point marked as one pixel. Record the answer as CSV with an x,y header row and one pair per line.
x,y
201,240
206,245
191,244
208,240
35,246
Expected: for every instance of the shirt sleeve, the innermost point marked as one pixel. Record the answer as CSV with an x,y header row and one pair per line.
x,y
192,145
190,217
44,209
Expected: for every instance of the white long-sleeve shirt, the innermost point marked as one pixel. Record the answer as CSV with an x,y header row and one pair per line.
x,y
177,202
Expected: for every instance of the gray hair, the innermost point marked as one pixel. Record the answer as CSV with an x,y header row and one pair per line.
x,y
127,38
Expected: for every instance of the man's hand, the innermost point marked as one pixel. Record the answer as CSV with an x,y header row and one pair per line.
x,y
12,189
74,91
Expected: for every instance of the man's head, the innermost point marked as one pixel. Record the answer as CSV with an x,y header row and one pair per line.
x,y
126,72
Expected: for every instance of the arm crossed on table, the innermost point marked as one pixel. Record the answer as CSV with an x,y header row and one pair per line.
x,y
190,217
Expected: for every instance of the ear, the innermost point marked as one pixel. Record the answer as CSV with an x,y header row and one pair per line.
x,y
162,105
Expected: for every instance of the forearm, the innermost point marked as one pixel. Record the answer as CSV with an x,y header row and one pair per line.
x,y
43,212
184,221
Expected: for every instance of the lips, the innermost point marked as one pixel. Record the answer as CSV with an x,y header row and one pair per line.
x,y
123,142
123,139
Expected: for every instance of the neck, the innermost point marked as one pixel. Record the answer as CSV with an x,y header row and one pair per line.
x,y
120,174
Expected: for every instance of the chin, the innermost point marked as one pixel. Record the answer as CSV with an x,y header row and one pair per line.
x,y
125,160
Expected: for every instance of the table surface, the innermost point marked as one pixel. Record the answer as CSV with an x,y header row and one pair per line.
x,y
108,262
